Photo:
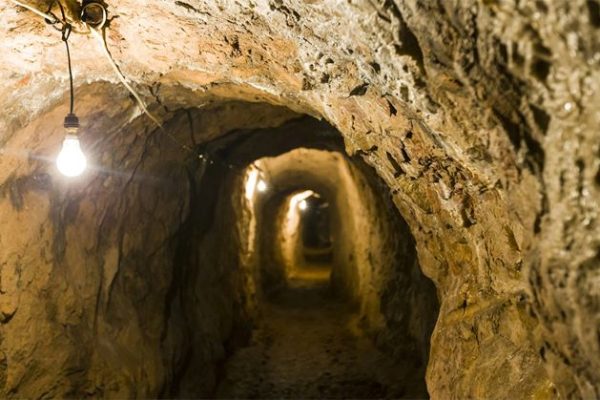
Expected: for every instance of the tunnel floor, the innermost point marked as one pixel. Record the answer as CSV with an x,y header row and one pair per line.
x,y
307,346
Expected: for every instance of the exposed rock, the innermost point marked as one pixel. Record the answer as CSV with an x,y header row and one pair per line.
x,y
481,117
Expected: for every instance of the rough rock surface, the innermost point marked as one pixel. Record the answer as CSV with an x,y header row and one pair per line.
x,y
480,116
374,263
336,361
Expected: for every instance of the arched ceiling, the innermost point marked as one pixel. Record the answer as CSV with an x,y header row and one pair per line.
x,y
307,169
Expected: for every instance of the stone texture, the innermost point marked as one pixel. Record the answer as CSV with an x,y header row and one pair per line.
x,y
480,116
374,262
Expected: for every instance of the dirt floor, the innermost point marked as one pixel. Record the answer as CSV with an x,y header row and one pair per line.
x,y
307,346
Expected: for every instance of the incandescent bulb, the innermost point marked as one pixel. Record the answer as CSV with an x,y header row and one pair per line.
x,y
71,161
303,205
261,186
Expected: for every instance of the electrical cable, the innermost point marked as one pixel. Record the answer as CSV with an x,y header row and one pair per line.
x,y
72,103
123,80
66,31
121,77
47,16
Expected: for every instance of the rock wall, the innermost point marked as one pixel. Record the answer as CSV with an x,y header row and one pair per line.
x,y
480,116
89,286
280,240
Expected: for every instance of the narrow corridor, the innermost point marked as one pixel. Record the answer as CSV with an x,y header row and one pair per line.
x,y
167,169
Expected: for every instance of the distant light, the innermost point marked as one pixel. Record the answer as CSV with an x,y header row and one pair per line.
x,y
568,106
303,205
262,186
299,200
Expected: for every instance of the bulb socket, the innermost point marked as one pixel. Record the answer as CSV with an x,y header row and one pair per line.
x,y
71,121
94,13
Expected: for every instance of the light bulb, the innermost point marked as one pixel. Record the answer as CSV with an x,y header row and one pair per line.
x,y
71,161
261,186
303,205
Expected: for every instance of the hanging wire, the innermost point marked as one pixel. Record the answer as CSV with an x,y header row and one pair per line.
x,y
47,16
141,103
97,31
72,102
66,32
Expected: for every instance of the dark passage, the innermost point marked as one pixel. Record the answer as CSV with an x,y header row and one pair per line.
x,y
316,232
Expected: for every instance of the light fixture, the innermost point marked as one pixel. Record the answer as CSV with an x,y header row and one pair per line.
x,y
303,205
262,186
71,161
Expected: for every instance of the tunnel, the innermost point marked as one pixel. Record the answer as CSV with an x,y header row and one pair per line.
x,y
300,199
282,313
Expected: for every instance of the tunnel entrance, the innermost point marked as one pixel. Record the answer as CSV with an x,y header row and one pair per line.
x,y
328,297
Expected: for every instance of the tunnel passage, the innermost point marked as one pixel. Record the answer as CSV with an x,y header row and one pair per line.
x,y
155,264
315,231
481,117
373,270
372,267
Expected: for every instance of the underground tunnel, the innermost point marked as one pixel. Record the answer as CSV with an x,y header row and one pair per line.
x,y
300,199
